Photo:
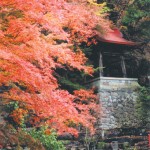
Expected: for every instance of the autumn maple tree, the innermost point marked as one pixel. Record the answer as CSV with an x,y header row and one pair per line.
x,y
36,38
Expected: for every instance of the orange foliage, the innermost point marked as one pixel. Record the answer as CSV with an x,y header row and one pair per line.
x,y
47,132
36,38
18,115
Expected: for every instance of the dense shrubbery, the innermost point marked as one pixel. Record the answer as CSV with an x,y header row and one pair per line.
x,y
48,138
143,105
10,138
22,135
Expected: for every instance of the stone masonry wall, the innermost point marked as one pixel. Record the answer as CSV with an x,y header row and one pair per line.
x,y
117,100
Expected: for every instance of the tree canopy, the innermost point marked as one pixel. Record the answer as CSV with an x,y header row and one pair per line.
x,y
37,37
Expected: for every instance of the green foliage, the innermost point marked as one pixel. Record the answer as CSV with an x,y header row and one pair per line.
x,y
126,145
143,105
42,136
49,141
87,50
137,17
136,11
101,145
105,10
132,15
11,106
70,84
16,139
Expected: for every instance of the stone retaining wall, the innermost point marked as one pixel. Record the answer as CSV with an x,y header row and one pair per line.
x,y
117,99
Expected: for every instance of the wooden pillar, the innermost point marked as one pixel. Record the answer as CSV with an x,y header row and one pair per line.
x,y
123,66
101,64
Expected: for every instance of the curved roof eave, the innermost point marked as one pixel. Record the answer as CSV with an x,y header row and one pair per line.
x,y
115,36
